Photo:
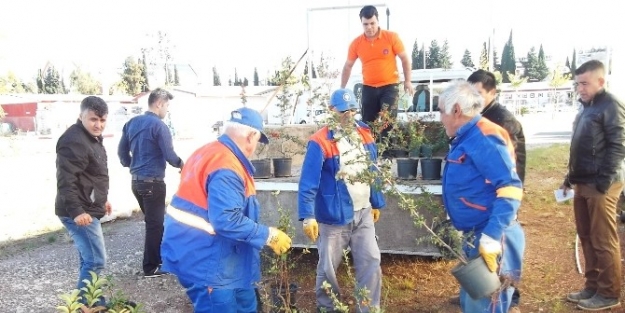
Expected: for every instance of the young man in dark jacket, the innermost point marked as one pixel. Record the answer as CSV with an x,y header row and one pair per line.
x,y
596,172
486,84
83,184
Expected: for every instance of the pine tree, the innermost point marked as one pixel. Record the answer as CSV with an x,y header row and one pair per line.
x,y
237,82
508,60
574,62
144,72
132,78
496,61
256,80
52,82
170,77
415,55
314,72
420,57
446,62
467,61
216,79
531,66
543,70
484,57
434,58
176,77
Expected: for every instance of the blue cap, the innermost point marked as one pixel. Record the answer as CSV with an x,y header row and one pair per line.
x,y
251,118
343,100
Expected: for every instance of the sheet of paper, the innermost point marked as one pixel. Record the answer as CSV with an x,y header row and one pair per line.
x,y
560,197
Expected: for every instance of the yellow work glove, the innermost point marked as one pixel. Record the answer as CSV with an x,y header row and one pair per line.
x,y
376,215
489,250
311,229
278,241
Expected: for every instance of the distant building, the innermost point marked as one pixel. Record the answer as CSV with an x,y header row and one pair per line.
x,y
45,114
537,96
603,54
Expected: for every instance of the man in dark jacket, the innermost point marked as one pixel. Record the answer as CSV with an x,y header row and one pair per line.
x,y
596,172
145,147
486,84
83,184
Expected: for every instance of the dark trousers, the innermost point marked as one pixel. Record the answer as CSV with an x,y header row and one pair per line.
x,y
595,220
151,197
376,99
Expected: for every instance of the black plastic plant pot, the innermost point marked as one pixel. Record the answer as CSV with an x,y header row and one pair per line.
x,y
431,169
262,168
407,168
282,167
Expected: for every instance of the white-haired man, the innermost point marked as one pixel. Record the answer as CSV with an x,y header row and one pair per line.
x,y
212,236
482,191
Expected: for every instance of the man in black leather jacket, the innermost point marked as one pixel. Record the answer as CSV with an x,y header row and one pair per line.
x,y
596,172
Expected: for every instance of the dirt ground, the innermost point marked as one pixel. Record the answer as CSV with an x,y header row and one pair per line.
x,y
36,270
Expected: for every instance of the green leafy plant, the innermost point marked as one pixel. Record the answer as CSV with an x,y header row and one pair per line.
x,y
93,292
363,300
435,140
381,176
276,289
286,145
291,87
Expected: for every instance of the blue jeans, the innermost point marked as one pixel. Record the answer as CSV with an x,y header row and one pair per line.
x,y
211,300
510,264
89,241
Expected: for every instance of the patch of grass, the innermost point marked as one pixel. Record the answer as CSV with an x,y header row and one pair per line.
x,y
554,157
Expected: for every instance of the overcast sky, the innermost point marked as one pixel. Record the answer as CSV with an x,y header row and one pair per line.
x,y
98,35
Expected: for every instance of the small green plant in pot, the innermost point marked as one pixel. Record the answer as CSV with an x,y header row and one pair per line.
x,y
411,137
435,146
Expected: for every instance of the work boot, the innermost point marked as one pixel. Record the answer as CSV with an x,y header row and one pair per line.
x,y
597,303
584,294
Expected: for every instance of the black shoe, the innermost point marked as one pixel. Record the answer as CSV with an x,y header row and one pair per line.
x,y
597,303
583,294
155,273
